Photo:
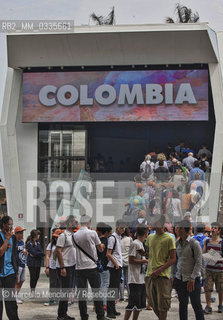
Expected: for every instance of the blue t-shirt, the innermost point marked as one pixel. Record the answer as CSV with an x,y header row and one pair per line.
x,y
8,267
21,258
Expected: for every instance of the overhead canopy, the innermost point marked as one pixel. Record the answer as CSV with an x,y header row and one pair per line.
x,y
115,45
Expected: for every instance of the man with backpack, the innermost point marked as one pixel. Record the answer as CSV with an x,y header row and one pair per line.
x,y
114,254
214,273
200,237
187,272
104,232
147,168
196,173
65,264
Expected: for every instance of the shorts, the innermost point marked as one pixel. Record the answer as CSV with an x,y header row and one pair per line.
x,y
137,297
212,277
21,274
158,293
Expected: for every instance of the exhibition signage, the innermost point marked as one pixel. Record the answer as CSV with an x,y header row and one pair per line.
x,y
139,95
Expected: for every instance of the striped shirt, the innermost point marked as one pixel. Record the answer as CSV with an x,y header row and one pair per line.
x,y
218,267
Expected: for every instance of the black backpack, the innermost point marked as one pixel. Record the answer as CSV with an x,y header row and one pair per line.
x,y
203,165
131,215
148,170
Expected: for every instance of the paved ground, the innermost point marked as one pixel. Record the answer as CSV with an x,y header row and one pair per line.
x,y
37,311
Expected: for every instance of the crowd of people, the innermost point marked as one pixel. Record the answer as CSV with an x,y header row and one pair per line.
x,y
158,249
150,261
174,183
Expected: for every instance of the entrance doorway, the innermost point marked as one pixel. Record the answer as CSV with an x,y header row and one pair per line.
x,y
62,153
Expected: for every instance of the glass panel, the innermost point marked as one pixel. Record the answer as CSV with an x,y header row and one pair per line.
x,y
66,143
61,153
79,143
55,144
43,143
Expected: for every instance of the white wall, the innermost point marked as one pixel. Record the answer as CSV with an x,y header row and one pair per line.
x,y
3,72
27,146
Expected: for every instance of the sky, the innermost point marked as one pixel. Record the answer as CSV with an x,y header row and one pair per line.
x,y
126,11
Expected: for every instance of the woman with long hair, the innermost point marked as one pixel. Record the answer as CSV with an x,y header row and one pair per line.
x,y
35,255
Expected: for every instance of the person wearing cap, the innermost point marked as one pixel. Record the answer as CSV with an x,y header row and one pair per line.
x,y
51,270
21,258
187,216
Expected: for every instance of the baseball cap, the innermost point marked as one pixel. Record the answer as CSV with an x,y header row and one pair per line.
x,y
19,229
187,214
56,233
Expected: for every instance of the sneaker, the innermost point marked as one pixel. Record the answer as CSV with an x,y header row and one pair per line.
x,y
48,303
207,310
19,301
112,316
220,308
66,317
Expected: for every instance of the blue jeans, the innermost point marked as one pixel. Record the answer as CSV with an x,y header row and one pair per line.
x,y
195,298
124,283
104,284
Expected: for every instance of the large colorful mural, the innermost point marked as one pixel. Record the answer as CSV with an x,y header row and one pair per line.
x,y
145,95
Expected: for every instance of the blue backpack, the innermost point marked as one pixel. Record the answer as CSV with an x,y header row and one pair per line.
x,y
201,239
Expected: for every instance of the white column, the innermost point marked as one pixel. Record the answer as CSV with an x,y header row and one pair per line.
x,y
215,182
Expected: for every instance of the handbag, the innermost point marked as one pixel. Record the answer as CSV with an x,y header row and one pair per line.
x,y
98,262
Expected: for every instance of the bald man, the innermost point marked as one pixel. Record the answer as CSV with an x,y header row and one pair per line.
x,y
189,161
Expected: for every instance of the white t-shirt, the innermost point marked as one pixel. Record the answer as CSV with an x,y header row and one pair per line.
x,y
176,203
125,245
117,253
134,270
88,240
52,262
68,250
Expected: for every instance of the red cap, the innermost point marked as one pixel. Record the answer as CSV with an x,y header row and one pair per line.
x,y
19,229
